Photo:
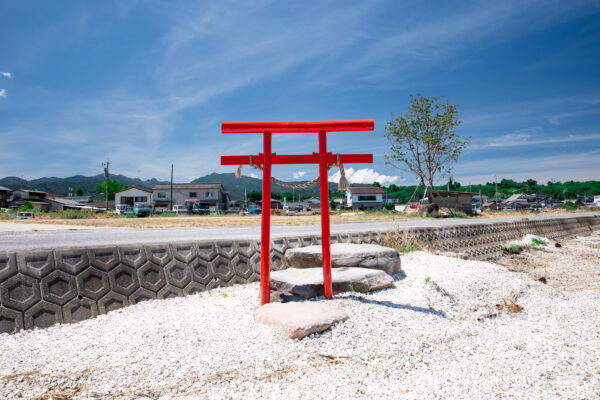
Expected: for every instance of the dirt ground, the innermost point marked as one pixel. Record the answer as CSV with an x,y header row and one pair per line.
x,y
115,221
573,266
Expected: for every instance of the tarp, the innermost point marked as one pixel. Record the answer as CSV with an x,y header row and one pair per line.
x,y
191,200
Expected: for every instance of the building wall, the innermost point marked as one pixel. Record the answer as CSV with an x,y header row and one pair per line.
x,y
354,202
457,202
212,196
133,195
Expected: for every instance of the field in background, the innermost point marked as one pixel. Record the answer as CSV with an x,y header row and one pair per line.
x,y
115,221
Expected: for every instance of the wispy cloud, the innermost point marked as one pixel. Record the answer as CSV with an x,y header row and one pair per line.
x,y
365,175
2,92
6,74
526,139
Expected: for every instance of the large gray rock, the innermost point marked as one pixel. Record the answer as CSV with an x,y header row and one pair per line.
x,y
308,282
298,320
346,255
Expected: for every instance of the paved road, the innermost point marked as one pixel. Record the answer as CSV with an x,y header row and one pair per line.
x,y
14,238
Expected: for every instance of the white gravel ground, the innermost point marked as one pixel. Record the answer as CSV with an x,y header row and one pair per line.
x,y
442,337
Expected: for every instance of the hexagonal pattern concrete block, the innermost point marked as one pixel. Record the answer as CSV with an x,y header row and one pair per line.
x,y
207,251
104,258
293,242
241,266
159,254
134,256
79,309
58,287
141,295
123,279
36,263
193,288
222,268
247,248
202,271
280,245
112,301
227,248
93,283
255,262
20,292
184,252
151,276
169,292
72,261
10,320
42,315
8,265
178,273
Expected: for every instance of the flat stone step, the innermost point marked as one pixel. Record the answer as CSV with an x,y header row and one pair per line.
x,y
299,319
308,282
371,256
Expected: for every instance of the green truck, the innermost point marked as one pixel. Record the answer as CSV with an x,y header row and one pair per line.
x,y
141,209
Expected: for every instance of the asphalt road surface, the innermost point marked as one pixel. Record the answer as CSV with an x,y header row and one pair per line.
x,y
13,237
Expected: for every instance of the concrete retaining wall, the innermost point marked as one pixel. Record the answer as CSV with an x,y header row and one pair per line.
x,y
41,288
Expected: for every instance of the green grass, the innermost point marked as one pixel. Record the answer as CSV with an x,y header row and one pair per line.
x,y
540,242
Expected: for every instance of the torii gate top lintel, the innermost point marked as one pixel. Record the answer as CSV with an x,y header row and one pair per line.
x,y
297,126
267,158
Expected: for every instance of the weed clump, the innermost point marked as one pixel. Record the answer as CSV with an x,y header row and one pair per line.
x,y
403,243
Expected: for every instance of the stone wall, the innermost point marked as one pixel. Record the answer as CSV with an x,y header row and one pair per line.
x,y
41,288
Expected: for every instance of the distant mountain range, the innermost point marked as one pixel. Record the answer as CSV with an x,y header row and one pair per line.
x,y
234,186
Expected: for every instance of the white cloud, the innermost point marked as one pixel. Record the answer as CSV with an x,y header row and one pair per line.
x,y
253,175
366,175
6,74
299,174
2,92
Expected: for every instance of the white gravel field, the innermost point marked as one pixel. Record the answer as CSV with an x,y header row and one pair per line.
x,y
445,337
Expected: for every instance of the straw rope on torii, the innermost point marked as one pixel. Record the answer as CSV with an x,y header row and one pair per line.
x,y
342,184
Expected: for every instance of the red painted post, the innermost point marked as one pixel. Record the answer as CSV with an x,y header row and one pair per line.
x,y
325,237
265,269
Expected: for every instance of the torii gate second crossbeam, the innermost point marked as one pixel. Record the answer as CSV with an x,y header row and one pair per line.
x,y
322,158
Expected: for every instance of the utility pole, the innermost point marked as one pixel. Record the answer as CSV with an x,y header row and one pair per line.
x,y
480,201
106,166
171,196
496,181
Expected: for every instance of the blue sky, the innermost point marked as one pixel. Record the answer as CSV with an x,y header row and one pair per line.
x,y
148,83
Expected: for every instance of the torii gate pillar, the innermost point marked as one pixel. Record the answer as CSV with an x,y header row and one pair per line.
x,y
267,159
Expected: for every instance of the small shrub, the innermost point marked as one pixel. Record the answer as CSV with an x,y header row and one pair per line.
x,y
389,206
404,244
540,242
516,248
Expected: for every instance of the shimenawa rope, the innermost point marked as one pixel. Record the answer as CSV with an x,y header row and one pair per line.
x,y
342,184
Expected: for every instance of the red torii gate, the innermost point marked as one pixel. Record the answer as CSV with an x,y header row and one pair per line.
x,y
266,159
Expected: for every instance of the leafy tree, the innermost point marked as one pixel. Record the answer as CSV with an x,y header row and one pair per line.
x,y
376,184
255,196
79,192
113,186
424,139
389,206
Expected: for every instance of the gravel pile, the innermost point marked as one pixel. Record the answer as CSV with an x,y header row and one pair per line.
x,y
445,331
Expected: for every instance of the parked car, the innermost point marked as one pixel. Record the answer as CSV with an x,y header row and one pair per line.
x,y
253,209
201,209
179,209
123,209
141,209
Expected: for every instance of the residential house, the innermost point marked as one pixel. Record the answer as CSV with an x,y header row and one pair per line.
x,y
517,201
133,195
364,198
597,201
34,197
211,194
4,191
